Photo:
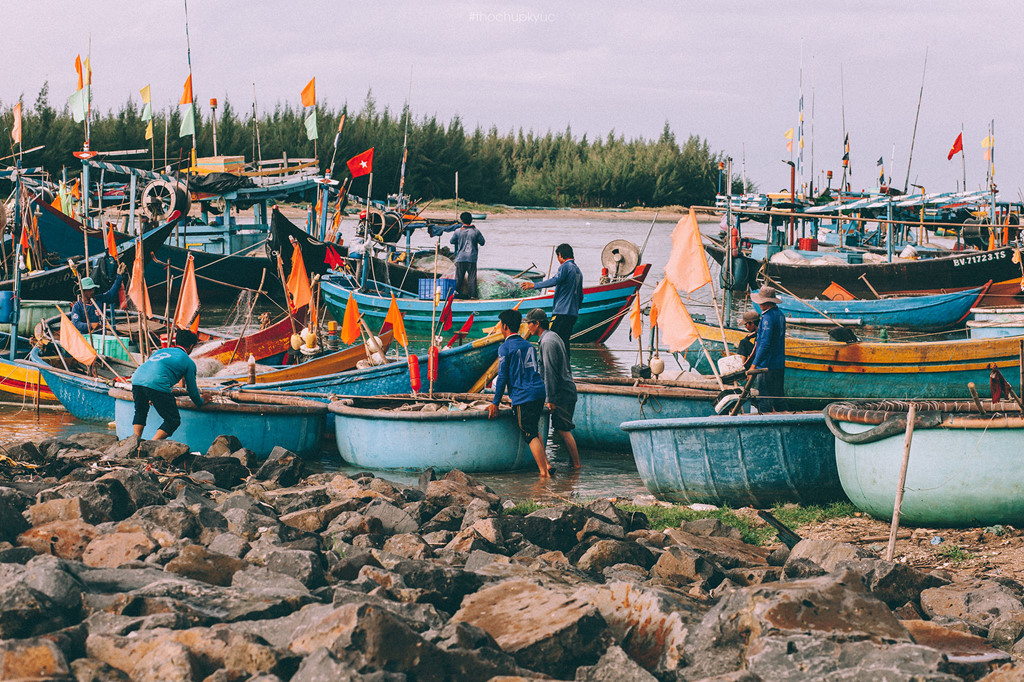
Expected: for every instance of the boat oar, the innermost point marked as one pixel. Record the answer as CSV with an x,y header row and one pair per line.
x,y
898,503
787,536
751,376
865,278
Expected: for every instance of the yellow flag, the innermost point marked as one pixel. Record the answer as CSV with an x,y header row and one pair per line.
x,y
146,98
87,71
149,130
394,317
988,142
73,342
789,134
687,267
350,324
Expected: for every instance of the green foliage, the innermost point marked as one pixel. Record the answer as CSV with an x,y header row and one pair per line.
x,y
954,554
524,168
524,508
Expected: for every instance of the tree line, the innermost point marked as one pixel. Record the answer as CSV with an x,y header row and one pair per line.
x,y
515,167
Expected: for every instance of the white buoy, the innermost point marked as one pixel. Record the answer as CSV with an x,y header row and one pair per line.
x,y
657,366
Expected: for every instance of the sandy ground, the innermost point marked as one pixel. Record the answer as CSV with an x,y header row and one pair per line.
x,y
665,213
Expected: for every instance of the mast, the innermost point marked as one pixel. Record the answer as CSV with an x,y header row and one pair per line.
x,y
920,96
192,104
405,144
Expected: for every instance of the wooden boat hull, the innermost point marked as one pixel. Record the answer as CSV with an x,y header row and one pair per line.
x,y
86,398
298,427
930,312
820,372
601,406
21,383
959,474
271,342
756,460
466,440
219,278
923,276
603,308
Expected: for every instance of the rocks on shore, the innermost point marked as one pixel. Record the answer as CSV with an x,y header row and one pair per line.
x,y
142,561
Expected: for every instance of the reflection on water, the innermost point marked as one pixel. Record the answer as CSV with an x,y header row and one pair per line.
x,y
18,424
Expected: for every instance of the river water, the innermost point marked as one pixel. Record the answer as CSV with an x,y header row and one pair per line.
x,y
511,242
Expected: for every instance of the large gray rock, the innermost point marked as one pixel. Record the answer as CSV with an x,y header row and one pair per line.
x,y
605,553
12,523
302,565
47,575
323,666
443,586
227,471
614,666
682,565
727,552
979,602
141,488
26,612
32,659
93,440
554,528
393,520
282,467
895,584
104,499
199,563
827,553
175,519
544,630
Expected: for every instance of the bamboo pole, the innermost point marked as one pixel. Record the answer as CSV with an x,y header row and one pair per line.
x,y
898,503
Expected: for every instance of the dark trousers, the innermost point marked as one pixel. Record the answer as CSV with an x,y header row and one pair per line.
x,y
771,391
465,279
162,402
562,325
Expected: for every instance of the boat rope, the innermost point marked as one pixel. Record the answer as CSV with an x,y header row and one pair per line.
x,y
643,399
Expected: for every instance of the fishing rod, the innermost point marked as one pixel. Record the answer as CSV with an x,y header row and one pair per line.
x,y
920,96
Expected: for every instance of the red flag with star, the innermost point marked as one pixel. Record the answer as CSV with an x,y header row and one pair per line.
x,y
361,164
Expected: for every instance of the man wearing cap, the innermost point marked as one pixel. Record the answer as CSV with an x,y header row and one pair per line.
x,y
466,239
559,387
568,296
770,352
518,371
153,384
748,342
87,313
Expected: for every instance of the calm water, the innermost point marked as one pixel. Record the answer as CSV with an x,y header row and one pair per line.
x,y
511,242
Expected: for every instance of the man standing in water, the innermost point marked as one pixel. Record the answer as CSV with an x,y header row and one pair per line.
x,y
558,382
518,371
568,297
154,380
466,239
770,352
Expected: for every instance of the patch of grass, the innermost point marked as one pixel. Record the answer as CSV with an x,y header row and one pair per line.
x,y
954,553
795,516
471,206
524,508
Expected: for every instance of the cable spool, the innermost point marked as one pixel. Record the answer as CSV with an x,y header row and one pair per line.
x,y
160,198
387,226
621,257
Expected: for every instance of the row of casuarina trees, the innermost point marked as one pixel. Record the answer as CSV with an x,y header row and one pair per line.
x,y
514,167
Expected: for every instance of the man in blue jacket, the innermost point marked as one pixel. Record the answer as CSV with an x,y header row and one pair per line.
x,y
87,312
466,239
154,380
568,297
518,371
770,352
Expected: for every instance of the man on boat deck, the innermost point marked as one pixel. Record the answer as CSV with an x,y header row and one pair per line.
x,y
746,345
558,382
518,371
153,381
568,296
770,352
467,239
87,312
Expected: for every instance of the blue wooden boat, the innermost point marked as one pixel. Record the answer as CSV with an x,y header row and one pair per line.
x,y
757,460
371,433
963,469
603,307
85,397
603,404
931,312
260,422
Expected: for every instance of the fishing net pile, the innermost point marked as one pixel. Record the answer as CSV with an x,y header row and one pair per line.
x,y
453,406
493,284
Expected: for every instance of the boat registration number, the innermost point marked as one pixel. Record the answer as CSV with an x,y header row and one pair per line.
x,y
979,258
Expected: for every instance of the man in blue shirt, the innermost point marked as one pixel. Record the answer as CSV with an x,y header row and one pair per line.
x,y
154,380
568,297
466,240
770,352
559,386
87,312
519,372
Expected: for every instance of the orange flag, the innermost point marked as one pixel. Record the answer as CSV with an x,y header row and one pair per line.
x,y
654,315
186,96
298,281
186,315
350,324
137,291
394,317
76,189
687,267
309,93
111,244
56,204
73,342
78,68
16,129
676,327
636,319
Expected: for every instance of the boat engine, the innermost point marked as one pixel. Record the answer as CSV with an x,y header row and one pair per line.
x,y
620,257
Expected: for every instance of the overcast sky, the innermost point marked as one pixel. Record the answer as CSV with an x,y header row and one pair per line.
x,y
728,71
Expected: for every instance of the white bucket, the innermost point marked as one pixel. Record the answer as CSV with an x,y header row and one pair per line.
x,y
730,364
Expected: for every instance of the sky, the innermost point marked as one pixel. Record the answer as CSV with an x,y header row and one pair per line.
x,y
729,71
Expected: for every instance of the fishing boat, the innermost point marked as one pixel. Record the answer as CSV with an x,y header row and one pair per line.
x,y
603,307
260,422
18,382
602,404
961,470
756,460
453,433
988,323
901,277
822,371
268,345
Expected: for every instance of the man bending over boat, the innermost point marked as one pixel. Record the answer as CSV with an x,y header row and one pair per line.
x,y
518,371
568,296
558,382
467,239
86,313
770,352
154,380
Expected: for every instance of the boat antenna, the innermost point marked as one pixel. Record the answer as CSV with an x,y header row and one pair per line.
x,y
920,96
405,144
256,128
846,138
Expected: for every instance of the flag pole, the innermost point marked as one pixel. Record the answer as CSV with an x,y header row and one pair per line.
x,y
963,162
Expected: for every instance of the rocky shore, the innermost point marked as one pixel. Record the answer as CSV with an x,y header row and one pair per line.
x,y
122,560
